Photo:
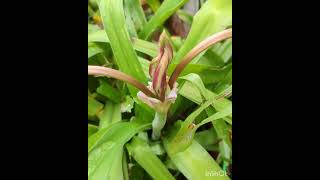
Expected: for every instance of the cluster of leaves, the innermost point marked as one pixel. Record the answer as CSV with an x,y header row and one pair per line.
x,y
196,141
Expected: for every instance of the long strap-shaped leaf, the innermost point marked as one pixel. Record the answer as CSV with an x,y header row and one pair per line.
x,y
184,136
100,159
196,163
218,110
140,45
167,8
136,13
120,132
143,154
202,93
105,147
114,23
154,4
214,16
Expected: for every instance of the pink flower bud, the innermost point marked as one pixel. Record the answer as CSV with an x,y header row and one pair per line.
x,y
159,66
156,104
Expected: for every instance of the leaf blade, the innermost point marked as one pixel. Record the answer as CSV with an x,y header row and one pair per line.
x,y
214,16
195,163
112,14
167,8
144,155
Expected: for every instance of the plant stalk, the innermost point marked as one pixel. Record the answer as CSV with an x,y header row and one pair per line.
x,y
157,124
104,71
202,46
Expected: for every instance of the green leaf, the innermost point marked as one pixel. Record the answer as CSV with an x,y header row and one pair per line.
x,y
92,28
105,147
216,116
93,50
180,105
154,4
214,16
191,92
140,45
200,93
108,91
222,131
98,36
184,16
93,3
143,112
181,149
136,13
170,165
217,112
195,90
157,148
181,136
195,163
114,22
120,132
177,42
224,50
211,58
207,139
130,24
94,107
110,115
127,104
90,11
208,73
92,129
144,155
167,8
99,161
146,47
145,66
225,83
137,172
125,166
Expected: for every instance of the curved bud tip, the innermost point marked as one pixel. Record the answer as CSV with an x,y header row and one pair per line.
x,y
164,43
159,66
163,39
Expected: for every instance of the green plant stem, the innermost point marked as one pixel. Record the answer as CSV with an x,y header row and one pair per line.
x,y
158,123
125,166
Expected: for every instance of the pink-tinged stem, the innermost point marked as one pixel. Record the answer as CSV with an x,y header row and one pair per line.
x,y
205,44
104,71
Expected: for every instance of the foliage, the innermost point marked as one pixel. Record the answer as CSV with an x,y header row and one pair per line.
x,y
194,140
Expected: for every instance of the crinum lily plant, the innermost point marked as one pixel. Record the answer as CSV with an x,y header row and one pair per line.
x,y
161,92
